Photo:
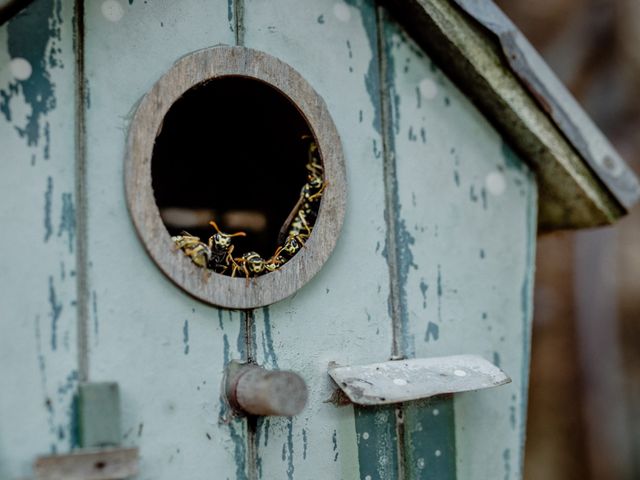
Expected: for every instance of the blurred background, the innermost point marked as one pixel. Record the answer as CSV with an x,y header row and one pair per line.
x,y
584,402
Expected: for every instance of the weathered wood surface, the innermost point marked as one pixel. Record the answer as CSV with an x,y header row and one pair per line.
x,y
213,288
571,196
451,258
38,368
342,314
465,230
166,351
103,464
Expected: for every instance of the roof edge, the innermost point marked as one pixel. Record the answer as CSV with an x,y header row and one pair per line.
x,y
573,193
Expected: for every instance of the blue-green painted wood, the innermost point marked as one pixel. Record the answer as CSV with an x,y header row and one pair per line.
x,y
342,315
466,224
166,350
377,442
430,443
38,367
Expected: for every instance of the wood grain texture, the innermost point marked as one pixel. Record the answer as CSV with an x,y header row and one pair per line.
x,y
166,350
466,226
211,287
38,363
341,315
103,464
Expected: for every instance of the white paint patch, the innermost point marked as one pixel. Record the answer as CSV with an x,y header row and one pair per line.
x,y
436,412
365,435
20,68
438,453
399,381
342,12
368,477
495,183
460,373
421,463
112,10
428,89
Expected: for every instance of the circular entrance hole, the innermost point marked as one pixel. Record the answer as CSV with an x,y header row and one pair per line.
x,y
221,136
233,150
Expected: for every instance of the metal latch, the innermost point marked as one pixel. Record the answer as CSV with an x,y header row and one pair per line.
x,y
100,456
412,379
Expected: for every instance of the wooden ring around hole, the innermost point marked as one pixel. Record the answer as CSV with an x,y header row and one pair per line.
x,y
213,288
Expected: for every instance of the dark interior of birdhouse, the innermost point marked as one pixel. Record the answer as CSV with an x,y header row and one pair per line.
x,y
233,150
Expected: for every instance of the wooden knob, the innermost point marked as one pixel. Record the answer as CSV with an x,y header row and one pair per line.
x,y
257,391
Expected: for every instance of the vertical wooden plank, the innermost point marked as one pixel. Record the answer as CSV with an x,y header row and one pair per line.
x,y
38,367
465,224
342,315
430,446
377,438
166,350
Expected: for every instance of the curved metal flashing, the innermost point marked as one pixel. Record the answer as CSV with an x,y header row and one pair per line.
x,y
554,98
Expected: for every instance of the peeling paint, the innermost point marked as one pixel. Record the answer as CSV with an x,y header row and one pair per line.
x,y
94,311
304,444
290,467
439,293
68,220
371,78
423,289
511,160
267,340
506,457
432,333
56,311
185,336
34,35
48,228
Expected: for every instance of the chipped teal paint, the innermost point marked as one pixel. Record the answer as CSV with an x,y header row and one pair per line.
x,y
304,444
430,446
94,313
34,35
511,160
402,240
185,336
289,449
235,426
464,235
526,305
48,228
68,221
371,79
433,332
56,311
377,442
506,455
269,353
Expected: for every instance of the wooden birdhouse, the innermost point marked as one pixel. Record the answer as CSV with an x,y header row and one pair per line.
x,y
282,239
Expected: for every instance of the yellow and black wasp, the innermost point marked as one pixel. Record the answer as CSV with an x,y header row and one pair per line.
x,y
217,253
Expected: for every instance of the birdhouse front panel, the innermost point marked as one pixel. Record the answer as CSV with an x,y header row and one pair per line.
x,y
434,258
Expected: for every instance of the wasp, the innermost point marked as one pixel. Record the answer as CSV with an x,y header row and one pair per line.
x,y
199,252
251,263
216,254
221,248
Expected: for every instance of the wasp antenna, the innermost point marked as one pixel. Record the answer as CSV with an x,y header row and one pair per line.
x,y
213,224
238,234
